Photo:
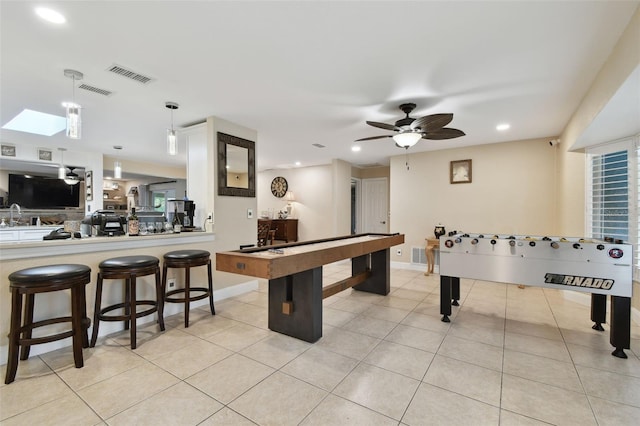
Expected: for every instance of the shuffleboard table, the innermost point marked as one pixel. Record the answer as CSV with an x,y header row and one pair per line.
x,y
294,272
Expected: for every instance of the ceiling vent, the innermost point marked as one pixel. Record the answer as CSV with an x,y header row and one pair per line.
x,y
369,166
99,91
131,75
318,145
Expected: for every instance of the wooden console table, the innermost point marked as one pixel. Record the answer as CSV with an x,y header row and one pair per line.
x,y
286,229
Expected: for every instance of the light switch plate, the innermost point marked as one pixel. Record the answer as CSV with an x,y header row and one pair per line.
x,y
249,213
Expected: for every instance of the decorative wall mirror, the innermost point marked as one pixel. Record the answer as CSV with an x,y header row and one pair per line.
x,y
236,166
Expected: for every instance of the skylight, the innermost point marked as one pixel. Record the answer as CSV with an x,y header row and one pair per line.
x,y
36,122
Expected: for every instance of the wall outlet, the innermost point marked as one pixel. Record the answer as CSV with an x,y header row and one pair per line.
x,y
171,283
210,217
249,213
399,252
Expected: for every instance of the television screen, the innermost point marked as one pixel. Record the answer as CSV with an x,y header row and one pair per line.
x,y
39,192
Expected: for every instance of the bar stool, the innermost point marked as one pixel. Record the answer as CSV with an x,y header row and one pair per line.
x,y
45,279
127,268
187,259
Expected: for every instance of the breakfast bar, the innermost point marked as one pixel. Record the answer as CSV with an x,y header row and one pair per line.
x,y
87,251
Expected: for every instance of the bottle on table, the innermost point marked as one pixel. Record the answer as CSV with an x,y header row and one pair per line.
x,y
176,221
133,224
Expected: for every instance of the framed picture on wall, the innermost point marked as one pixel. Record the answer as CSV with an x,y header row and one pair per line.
x,y
88,184
460,171
45,154
8,150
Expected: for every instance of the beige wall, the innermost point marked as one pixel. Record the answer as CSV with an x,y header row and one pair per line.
x,y
511,192
341,197
570,202
312,188
370,172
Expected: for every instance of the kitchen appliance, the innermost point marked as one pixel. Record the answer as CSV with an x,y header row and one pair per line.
x,y
189,213
103,223
176,207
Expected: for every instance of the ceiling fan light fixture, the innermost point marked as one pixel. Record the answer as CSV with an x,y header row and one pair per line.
x,y
407,139
71,180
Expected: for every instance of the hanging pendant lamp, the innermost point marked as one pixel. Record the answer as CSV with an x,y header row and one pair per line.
x,y
74,125
172,139
117,165
62,170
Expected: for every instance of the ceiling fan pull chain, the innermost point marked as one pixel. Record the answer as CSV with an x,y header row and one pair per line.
x,y
406,158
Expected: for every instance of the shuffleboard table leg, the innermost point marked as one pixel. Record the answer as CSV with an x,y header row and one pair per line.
x,y
378,263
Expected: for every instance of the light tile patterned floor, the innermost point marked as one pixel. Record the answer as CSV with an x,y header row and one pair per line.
x,y
510,356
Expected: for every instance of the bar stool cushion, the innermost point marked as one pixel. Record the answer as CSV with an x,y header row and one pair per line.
x,y
126,262
186,254
48,273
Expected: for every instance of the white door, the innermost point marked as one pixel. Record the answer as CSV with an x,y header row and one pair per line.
x,y
375,205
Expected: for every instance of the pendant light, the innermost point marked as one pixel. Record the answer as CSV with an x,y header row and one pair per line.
x,y
117,165
172,139
74,127
62,170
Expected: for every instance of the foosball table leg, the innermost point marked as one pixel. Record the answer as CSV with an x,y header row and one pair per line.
x,y
620,332
598,310
448,288
455,291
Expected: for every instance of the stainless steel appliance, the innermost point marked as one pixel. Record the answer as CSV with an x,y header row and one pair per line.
x,y
103,223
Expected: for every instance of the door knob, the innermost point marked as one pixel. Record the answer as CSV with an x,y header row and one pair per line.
x,y
383,222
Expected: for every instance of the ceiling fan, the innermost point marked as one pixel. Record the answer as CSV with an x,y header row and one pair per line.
x,y
71,178
411,130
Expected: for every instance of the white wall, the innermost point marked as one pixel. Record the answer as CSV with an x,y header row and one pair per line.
x,y
312,188
511,192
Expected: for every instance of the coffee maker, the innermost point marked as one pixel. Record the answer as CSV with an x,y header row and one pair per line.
x,y
189,213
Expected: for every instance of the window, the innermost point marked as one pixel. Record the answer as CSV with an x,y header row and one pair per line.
x,y
613,192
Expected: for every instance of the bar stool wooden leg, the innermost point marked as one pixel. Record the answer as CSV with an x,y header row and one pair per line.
x,y
86,322
14,336
96,312
132,308
213,310
127,302
187,282
77,316
160,299
28,319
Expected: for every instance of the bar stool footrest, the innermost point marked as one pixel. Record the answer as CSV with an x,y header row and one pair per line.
x,y
206,293
125,317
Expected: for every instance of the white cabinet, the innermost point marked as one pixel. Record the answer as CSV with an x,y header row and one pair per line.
x,y
34,234
9,235
24,234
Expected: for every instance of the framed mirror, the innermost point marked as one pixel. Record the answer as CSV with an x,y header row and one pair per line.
x,y
236,166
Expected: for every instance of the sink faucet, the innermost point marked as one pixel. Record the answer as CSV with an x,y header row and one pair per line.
x,y
11,221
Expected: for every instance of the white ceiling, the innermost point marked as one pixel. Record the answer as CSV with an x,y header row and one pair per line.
x,y
305,72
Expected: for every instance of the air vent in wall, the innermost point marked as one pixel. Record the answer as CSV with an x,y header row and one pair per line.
x,y
131,75
318,145
103,92
418,256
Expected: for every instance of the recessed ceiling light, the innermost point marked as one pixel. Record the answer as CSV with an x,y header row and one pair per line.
x,y
50,15
297,163
502,127
36,122
356,148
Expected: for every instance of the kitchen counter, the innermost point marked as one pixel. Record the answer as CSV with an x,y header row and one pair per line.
x,y
34,249
91,251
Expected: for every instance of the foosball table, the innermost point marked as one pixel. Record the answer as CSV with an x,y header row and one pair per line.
x,y
599,267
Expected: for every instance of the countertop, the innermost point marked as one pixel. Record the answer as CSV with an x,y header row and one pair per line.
x,y
30,249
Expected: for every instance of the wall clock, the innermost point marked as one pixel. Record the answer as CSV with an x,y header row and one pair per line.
x,y
279,186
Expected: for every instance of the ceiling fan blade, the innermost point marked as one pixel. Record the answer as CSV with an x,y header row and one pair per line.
x,y
444,133
431,123
373,137
384,126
